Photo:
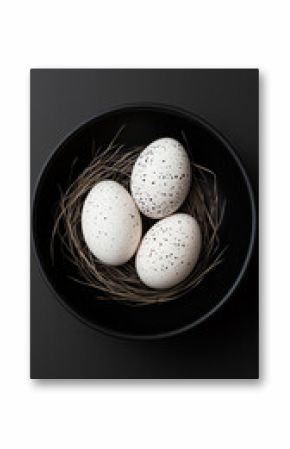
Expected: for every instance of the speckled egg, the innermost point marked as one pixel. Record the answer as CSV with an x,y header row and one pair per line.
x,y
111,223
169,251
160,178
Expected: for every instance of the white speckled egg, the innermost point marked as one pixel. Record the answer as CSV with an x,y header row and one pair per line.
x,y
111,223
161,178
169,251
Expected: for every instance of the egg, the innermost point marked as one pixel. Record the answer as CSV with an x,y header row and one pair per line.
x,y
160,178
169,251
111,223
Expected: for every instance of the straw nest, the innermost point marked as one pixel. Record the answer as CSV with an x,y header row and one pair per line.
x,y
122,283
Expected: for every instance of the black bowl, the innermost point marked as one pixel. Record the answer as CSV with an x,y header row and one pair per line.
x,y
146,123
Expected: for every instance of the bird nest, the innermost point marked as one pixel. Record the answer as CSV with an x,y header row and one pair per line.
x,y
122,283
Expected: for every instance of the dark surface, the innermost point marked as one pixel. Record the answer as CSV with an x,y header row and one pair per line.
x,y
208,149
226,345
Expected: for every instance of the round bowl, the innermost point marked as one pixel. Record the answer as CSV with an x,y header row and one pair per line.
x,y
145,123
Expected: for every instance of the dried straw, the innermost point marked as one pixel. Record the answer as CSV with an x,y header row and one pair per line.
x,y
122,283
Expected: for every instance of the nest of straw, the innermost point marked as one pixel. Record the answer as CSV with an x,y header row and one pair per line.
x,y
122,282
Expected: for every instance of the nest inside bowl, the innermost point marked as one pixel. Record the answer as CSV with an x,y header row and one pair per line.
x,y
122,283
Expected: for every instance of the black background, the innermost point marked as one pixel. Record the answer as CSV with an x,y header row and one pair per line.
x,y
226,345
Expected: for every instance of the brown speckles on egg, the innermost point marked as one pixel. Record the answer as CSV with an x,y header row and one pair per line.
x,y
160,183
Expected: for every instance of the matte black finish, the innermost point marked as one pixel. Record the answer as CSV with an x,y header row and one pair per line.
x,y
52,92
145,124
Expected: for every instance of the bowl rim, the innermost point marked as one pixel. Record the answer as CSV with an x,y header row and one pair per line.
x,y
183,113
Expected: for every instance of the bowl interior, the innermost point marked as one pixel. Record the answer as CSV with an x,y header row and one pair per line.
x,y
143,125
